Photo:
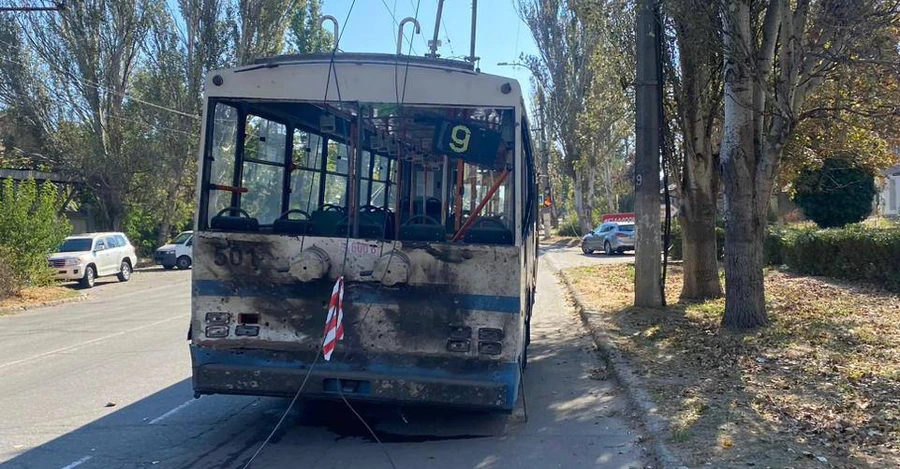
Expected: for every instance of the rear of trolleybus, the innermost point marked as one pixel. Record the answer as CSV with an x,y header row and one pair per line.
x,y
420,194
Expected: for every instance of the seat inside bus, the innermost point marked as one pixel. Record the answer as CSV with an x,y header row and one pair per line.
x,y
227,222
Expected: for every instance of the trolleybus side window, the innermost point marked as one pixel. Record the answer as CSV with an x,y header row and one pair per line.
x,y
222,153
263,168
336,170
306,177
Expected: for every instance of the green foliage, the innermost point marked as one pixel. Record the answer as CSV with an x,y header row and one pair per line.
x,y
30,230
837,194
570,227
856,252
306,34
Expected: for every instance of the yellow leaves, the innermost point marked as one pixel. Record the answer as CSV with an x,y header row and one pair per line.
x,y
726,442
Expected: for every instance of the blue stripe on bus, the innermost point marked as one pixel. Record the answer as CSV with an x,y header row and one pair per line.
x,y
492,303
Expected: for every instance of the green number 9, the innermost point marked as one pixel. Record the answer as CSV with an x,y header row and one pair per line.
x,y
459,137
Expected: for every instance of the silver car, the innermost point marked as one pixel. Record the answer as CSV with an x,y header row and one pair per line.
x,y
611,237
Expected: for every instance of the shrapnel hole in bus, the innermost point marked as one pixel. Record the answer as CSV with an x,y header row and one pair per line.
x,y
286,168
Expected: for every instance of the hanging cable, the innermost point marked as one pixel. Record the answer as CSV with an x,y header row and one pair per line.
x,y
89,84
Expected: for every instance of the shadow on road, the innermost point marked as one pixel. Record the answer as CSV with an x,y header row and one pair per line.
x,y
573,420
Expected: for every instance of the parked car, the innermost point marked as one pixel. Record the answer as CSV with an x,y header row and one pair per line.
x,y
86,257
178,253
611,237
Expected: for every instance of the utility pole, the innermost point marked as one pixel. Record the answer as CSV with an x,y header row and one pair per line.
x,y
648,243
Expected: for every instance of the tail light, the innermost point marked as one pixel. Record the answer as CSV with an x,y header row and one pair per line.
x,y
216,332
218,318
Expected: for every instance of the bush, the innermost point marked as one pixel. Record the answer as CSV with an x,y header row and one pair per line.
x,y
676,251
30,230
570,227
10,283
852,253
837,194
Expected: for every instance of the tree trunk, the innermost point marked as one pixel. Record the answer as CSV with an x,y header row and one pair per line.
x,y
699,103
582,204
698,241
165,224
745,305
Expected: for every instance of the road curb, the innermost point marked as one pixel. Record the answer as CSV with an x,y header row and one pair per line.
x,y
656,425
43,304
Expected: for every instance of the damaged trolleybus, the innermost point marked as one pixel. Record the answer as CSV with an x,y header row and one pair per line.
x,y
413,179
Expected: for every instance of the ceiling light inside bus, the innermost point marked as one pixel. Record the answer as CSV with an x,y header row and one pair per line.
x,y
216,332
327,123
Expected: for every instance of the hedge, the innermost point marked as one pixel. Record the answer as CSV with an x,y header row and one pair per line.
x,y
855,252
675,248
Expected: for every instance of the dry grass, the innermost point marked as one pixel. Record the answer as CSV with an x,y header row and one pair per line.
x,y
36,296
821,382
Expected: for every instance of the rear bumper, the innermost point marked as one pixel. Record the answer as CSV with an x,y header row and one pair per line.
x,y
493,386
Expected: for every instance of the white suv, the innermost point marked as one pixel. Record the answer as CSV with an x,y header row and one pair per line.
x,y
87,256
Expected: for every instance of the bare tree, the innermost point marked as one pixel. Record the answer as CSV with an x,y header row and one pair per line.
x,y
92,50
563,69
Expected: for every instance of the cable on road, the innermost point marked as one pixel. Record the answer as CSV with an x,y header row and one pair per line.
x,y
366,424
286,412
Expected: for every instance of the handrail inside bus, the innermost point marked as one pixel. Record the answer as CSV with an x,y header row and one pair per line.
x,y
487,197
232,189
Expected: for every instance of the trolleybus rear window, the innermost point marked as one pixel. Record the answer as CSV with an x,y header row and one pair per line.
x,y
375,171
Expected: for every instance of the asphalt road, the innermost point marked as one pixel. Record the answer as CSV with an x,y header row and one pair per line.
x,y
565,255
105,383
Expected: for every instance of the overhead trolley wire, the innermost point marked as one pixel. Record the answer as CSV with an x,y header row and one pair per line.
x,y
397,24
90,84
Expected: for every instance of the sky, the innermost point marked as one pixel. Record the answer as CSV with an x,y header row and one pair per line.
x,y
500,35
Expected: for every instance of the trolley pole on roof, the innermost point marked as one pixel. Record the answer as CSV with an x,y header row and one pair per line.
x,y
472,59
433,45
648,243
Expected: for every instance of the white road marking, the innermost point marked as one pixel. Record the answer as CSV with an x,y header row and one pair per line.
x,y
170,413
79,462
90,342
